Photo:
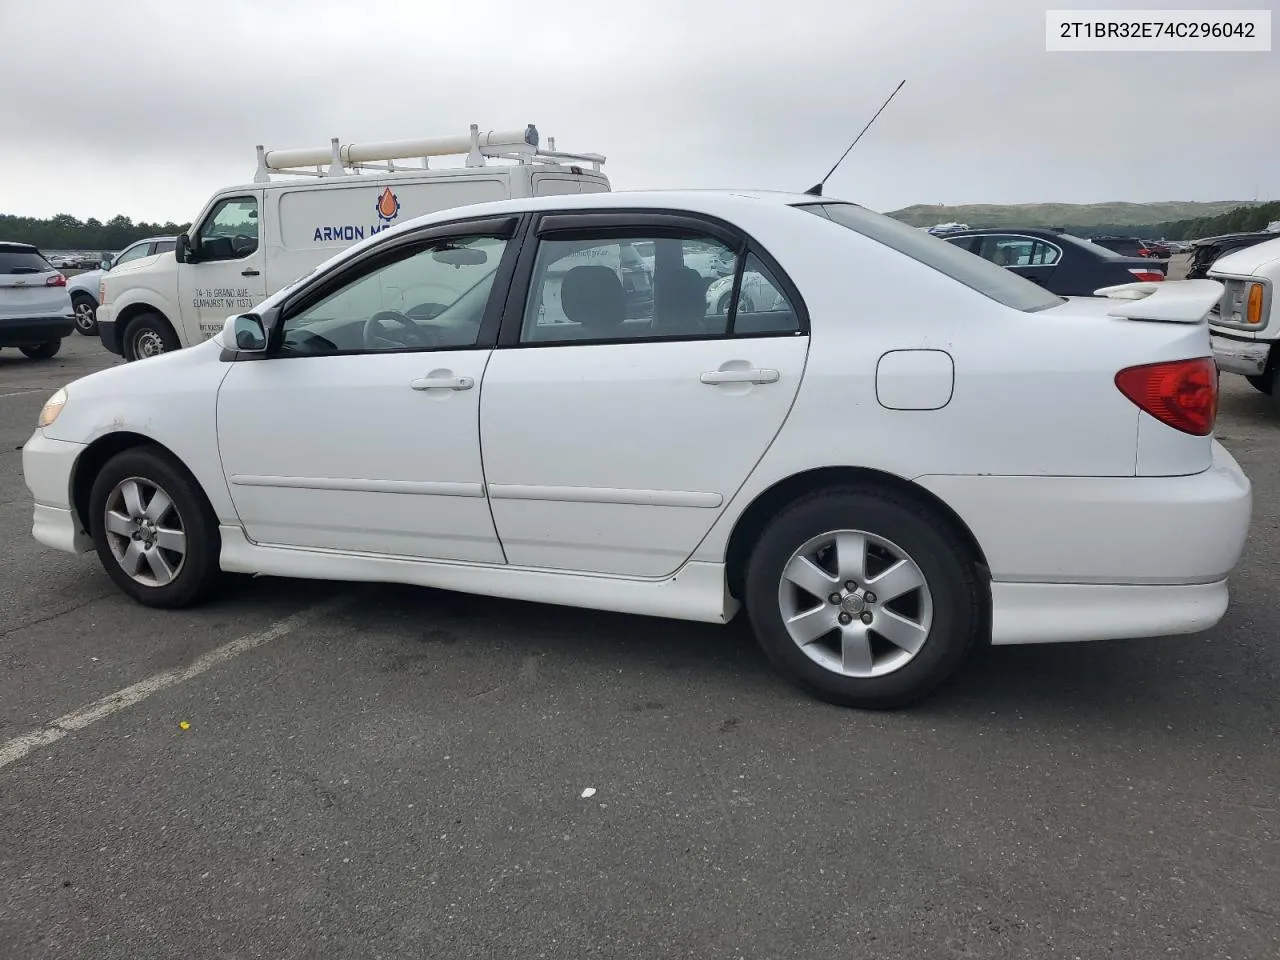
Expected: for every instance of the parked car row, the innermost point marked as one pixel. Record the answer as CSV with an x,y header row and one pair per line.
x,y
76,261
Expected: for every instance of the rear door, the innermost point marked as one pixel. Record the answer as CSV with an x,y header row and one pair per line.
x,y
25,288
614,437
1028,257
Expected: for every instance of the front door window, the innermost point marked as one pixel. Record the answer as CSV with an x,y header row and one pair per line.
x,y
230,232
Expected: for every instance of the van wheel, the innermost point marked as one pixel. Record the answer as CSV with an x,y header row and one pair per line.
x,y
148,335
86,314
154,531
42,351
1263,383
863,597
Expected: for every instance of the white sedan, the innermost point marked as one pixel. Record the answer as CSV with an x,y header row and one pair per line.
x,y
910,452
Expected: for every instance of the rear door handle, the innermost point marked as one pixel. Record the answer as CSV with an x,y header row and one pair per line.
x,y
740,376
442,383
248,272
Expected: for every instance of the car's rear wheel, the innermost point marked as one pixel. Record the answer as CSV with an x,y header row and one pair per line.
x,y
148,335
863,597
1263,382
86,314
42,351
155,533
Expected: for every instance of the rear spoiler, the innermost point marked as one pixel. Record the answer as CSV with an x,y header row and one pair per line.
x,y
1171,301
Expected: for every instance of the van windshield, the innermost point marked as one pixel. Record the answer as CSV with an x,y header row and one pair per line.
x,y
997,283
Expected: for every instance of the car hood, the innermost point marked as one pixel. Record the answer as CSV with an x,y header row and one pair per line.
x,y
134,266
1248,235
1248,261
152,375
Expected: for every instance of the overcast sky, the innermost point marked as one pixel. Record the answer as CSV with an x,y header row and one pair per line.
x,y
145,108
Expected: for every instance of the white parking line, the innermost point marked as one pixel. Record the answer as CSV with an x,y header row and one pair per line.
x,y
20,393
14,750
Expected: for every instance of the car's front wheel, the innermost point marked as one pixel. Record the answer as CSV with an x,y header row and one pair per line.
x,y
155,533
42,351
863,596
86,314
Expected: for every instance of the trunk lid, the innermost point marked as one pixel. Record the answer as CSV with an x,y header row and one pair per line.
x,y
1142,324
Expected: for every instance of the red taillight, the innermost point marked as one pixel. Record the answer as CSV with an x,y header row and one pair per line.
x,y
57,280
1146,276
1180,393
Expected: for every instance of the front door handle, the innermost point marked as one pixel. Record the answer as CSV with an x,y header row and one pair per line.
x,y
248,272
442,383
740,376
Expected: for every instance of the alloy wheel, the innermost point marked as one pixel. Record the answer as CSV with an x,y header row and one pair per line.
x,y
855,603
145,532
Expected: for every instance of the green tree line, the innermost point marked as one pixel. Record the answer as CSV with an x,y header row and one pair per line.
x,y
1239,220
65,232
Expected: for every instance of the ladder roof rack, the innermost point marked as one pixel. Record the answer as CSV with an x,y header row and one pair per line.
x,y
339,159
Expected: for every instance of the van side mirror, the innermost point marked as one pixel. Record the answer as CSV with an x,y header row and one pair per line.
x,y
105,265
182,251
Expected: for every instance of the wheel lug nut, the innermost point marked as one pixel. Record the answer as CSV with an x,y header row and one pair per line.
x,y
866,617
835,598
845,619
869,597
850,586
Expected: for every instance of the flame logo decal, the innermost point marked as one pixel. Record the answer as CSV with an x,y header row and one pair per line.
x,y
388,205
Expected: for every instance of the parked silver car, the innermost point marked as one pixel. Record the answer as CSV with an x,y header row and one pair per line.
x,y
35,308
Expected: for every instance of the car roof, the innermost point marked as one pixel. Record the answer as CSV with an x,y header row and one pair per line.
x,y
713,202
15,245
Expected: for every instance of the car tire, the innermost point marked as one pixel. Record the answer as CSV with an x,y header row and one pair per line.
x,y
940,618
42,351
148,335
86,309
1263,383
161,556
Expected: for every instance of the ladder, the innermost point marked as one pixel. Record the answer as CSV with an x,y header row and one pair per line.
x,y
349,159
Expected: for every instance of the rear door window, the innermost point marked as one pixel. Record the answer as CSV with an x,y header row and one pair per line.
x,y
23,261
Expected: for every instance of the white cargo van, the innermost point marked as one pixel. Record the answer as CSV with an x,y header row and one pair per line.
x,y
250,241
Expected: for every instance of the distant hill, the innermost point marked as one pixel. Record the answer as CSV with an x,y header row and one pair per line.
x,y
1079,215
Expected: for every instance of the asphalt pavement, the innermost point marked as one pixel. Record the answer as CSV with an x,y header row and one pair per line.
x,y
327,770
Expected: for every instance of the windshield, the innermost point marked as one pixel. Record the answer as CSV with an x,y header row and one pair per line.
x,y
986,278
22,261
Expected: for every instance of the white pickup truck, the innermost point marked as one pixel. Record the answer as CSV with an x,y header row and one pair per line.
x,y
1245,325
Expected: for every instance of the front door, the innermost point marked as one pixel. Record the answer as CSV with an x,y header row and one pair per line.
x,y
615,430
360,430
227,275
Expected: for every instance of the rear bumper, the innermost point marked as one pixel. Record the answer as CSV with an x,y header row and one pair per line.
x,y
1245,357
47,465
1058,612
28,331
1107,530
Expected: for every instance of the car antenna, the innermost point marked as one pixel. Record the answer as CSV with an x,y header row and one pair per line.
x,y
816,189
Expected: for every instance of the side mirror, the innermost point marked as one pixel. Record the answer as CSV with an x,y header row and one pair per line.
x,y
245,333
182,249
105,264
